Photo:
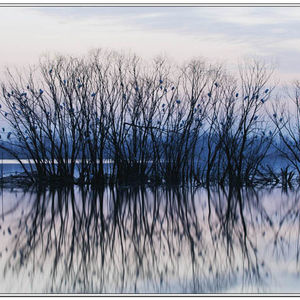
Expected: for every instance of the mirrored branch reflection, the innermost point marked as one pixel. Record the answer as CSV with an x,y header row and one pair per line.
x,y
148,240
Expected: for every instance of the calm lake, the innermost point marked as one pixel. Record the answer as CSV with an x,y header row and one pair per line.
x,y
149,240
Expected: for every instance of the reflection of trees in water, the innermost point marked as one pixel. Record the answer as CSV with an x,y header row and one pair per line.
x,y
286,230
239,217
142,240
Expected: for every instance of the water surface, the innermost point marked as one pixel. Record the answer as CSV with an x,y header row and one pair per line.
x,y
149,240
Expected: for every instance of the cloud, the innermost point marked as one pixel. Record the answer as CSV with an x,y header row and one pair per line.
x,y
181,32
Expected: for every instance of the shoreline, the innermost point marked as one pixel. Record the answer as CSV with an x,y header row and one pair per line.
x,y
22,180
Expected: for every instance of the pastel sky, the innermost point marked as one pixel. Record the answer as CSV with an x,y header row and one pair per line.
x,y
223,34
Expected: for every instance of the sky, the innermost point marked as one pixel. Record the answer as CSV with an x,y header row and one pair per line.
x,y
220,34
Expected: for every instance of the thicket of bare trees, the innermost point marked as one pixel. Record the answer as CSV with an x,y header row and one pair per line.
x,y
286,118
114,117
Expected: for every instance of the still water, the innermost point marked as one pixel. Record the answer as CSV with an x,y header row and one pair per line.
x,y
149,240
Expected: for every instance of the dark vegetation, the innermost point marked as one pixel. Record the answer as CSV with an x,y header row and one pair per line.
x,y
113,118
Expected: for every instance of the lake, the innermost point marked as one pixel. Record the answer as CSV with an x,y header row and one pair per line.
x,y
149,240
12,166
